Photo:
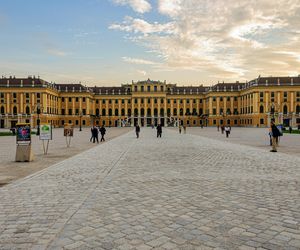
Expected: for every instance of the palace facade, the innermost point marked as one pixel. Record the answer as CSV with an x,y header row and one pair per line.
x,y
252,103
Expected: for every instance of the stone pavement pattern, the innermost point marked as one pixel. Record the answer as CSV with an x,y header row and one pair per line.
x,y
177,192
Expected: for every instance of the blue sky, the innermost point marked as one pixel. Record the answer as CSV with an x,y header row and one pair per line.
x,y
109,42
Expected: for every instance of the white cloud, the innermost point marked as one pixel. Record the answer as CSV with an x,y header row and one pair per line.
x,y
140,6
137,25
137,61
142,72
230,39
169,7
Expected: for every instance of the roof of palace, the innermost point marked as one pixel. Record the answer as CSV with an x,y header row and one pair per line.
x,y
126,88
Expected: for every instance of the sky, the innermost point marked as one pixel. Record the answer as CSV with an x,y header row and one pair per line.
x,y
112,42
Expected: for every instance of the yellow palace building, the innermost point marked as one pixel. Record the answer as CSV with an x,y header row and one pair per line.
x,y
252,103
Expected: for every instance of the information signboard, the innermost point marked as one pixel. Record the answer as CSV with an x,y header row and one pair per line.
x,y
23,132
45,132
68,130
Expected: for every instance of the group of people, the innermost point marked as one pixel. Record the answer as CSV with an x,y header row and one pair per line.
x,y
158,130
226,129
95,132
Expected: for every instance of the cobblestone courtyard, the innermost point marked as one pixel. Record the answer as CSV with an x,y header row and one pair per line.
x,y
176,192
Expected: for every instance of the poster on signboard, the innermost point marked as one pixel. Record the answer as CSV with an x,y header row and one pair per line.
x,y
45,132
68,130
23,132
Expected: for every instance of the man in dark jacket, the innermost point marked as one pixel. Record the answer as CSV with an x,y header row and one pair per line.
x,y
137,130
102,132
95,134
159,130
275,135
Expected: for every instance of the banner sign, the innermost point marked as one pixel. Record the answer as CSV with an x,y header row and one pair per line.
x,y
45,132
23,132
68,130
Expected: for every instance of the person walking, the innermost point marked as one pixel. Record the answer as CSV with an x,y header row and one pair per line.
x,y
184,129
290,129
222,129
218,128
137,130
95,133
159,130
275,135
102,132
91,134
179,129
227,131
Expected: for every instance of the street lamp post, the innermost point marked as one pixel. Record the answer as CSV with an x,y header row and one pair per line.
x,y
38,111
80,116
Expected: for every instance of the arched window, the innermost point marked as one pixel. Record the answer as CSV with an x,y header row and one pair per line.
x,y
162,112
298,109
228,112
261,109
200,111
27,110
187,111
142,112
136,112
129,112
2,110
97,112
149,112
181,111
168,112
285,109
103,112
110,112
116,111
122,111
155,112
15,110
194,111
174,111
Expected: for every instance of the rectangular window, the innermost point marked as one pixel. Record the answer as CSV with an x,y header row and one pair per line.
x,y
77,99
200,100
142,88
142,101
109,101
174,101
187,101
161,100
155,88
83,99
63,112
84,111
135,101
168,101
214,99
135,88
116,101
221,99
214,111
161,88
123,101
70,111
63,99
235,99
103,101
70,99
148,88
97,101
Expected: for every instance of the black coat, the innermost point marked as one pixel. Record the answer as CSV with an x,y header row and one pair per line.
x,y
275,131
159,129
102,130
